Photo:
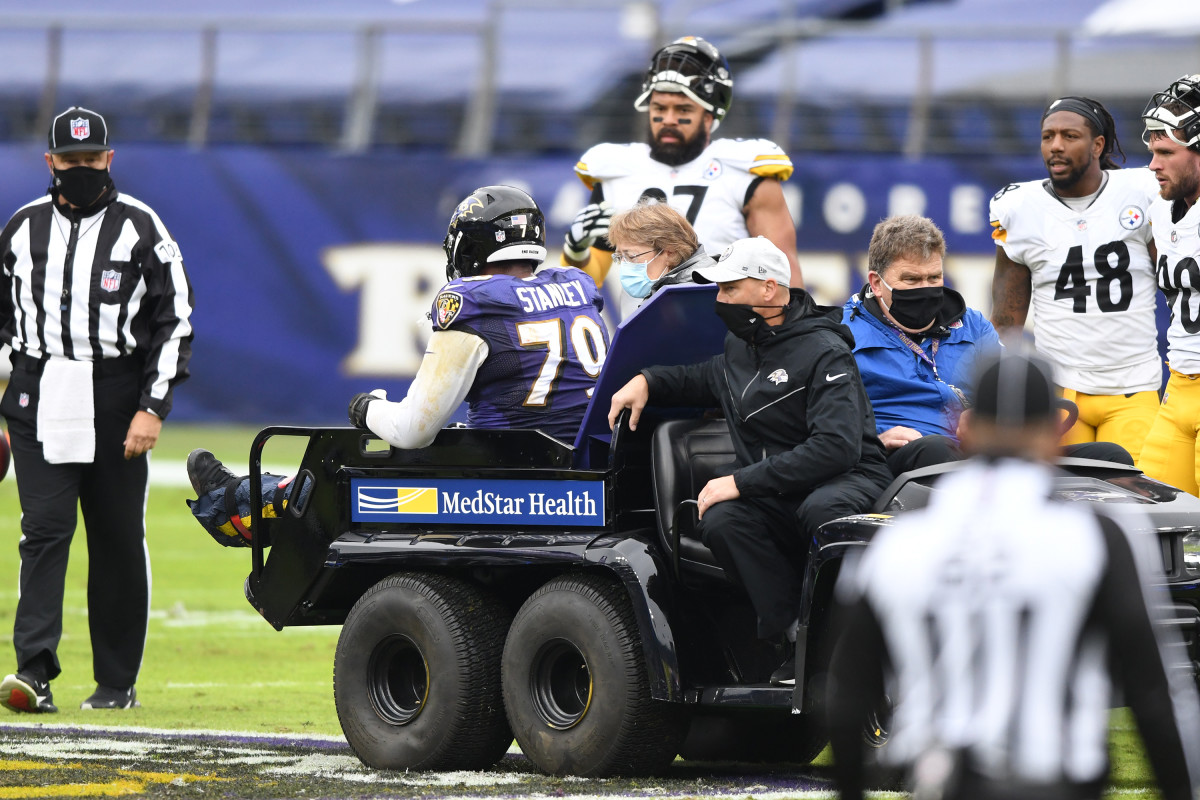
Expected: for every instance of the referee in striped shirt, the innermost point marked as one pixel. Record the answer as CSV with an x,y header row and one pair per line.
x,y
95,306
1000,618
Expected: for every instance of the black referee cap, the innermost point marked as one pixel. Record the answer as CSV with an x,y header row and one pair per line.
x,y
1014,390
78,129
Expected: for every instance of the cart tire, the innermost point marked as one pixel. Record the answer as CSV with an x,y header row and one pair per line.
x,y
576,686
416,677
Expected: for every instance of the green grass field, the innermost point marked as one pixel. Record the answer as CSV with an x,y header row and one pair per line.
x,y
211,662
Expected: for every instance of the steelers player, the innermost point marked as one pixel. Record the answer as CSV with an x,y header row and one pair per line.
x,y
1172,119
728,189
1077,248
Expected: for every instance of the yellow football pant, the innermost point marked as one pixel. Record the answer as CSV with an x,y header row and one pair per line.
x,y
1112,418
1170,453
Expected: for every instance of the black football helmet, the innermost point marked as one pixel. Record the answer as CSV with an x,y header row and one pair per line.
x,y
493,223
694,67
1176,112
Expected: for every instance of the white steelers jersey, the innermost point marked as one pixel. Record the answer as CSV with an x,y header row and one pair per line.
x,y
711,190
1093,282
1178,246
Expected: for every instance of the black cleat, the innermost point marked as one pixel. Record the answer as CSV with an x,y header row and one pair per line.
x,y
786,674
108,697
21,693
207,473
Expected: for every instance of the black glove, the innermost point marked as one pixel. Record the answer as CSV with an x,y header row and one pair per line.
x,y
590,224
358,407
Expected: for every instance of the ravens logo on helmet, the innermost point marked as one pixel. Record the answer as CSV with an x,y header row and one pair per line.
x,y
492,224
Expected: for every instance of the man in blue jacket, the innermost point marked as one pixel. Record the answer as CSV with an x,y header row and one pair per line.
x,y
915,342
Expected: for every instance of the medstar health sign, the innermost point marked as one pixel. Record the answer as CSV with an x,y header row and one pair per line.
x,y
478,502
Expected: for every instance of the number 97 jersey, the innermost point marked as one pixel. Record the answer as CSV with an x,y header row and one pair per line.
x,y
1093,282
710,190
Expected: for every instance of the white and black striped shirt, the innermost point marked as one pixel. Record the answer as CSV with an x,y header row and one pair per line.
x,y
89,288
999,612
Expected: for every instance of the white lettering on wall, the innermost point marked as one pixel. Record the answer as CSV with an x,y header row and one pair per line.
x,y
972,278
844,207
396,285
967,214
906,198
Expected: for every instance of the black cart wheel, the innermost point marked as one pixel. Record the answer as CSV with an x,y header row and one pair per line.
x,y
575,685
416,676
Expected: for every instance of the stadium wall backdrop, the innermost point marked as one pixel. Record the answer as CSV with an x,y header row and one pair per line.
x,y
313,272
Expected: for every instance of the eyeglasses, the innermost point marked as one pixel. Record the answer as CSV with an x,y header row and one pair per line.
x,y
619,258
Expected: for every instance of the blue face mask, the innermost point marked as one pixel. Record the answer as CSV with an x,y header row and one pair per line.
x,y
634,279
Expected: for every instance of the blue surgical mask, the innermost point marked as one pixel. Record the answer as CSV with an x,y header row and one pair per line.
x,y
634,279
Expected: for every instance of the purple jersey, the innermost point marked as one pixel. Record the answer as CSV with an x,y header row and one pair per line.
x,y
546,344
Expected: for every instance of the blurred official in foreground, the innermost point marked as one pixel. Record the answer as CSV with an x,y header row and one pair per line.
x,y
1001,617
95,304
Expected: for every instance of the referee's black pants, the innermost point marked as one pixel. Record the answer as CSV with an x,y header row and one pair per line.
x,y
111,492
762,542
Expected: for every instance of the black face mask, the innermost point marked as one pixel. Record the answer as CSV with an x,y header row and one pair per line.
x,y
916,308
82,186
743,321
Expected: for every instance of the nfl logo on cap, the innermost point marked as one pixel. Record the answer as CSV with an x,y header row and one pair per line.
x,y
78,129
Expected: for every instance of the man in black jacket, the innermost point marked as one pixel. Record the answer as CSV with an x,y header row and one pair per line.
x,y
801,425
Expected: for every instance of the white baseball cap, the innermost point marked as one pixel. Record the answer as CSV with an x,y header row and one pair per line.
x,y
754,258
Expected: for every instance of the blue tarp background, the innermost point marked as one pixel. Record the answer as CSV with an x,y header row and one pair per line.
x,y
274,329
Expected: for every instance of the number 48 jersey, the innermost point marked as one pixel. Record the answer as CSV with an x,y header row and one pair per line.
x,y
1093,282
546,343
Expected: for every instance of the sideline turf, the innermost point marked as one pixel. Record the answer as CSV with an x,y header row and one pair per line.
x,y
211,661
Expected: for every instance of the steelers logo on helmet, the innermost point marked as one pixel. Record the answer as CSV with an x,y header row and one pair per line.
x,y
493,224
694,67
1175,113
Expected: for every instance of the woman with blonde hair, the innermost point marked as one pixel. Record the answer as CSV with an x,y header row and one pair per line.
x,y
653,246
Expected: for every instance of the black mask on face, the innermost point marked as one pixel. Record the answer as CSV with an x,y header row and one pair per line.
x,y
743,321
82,186
916,308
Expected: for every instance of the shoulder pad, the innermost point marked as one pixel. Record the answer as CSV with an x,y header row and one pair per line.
x,y
446,307
760,157
458,300
1009,188
1000,208
1137,179
608,160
